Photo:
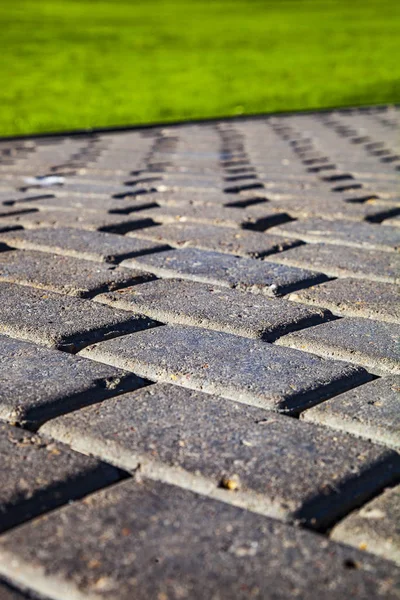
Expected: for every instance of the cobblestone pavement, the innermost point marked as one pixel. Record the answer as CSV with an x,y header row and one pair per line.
x,y
199,340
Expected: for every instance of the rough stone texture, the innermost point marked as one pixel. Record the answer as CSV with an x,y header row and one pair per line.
x,y
222,269
354,298
280,467
375,527
219,239
257,373
64,274
222,194
90,245
371,411
347,233
38,475
212,307
60,321
37,383
151,540
342,261
372,344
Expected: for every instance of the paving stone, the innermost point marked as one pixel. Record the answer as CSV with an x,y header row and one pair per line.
x,y
347,233
362,341
63,274
303,207
89,204
37,383
237,368
354,298
40,475
343,261
152,540
222,269
90,221
375,527
219,239
59,321
370,411
165,428
254,217
202,305
90,245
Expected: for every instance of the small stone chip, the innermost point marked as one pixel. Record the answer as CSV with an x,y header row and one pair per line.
x,y
40,474
370,411
245,370
354,298
373,344
216,268
212,307
375,526
153,540
61,322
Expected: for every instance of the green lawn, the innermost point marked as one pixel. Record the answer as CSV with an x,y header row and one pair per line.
x,y
91,63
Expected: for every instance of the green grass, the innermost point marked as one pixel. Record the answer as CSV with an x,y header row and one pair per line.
x,y
91,63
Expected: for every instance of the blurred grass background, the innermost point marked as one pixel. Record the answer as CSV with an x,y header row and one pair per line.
x,y
91,63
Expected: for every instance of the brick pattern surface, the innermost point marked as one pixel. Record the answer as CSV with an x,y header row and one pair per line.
x,y
209,312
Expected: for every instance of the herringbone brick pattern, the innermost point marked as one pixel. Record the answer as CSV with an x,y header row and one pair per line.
x,y
199,342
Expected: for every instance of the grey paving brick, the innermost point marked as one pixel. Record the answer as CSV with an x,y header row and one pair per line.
x,y
182,198
88,204
256,217
80,220
347,233
354,298
362,341
99,246
303,207
222,269
151,540
64,274
38,475
59,321
343,261
238,368
219,239
370,411
202,305
375,527
280,467
37,383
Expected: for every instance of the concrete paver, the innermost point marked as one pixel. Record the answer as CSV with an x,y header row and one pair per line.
x,y
370,411
59,321
258,373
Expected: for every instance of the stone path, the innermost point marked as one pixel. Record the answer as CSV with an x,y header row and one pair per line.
x,y
200,361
